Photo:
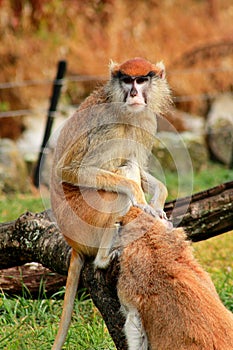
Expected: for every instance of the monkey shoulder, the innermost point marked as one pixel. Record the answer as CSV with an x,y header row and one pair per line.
x,y
97,97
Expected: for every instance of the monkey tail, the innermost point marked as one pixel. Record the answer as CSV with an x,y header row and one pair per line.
x,y
76,264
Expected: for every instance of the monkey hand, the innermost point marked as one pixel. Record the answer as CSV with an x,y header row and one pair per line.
x,y
156,213
148,209
161,214
158,207
165,219
115,254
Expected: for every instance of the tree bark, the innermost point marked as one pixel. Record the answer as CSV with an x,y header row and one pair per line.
x,y
31,280
209,213
36,238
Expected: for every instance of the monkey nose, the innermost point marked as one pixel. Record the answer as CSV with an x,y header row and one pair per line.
x,y
133,92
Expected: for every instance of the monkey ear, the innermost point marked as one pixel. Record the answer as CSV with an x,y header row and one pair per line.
x,y
113,67
160,68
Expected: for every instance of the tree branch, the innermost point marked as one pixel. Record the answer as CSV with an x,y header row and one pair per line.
x,y
33,238
209,213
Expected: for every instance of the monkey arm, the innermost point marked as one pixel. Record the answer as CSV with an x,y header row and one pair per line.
x,y
100,179
155,188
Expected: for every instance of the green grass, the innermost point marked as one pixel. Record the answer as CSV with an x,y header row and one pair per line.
x,y
32,324
28,324
211,175
216,256
12,207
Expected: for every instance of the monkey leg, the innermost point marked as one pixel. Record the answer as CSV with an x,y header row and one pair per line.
x,y
134,331
100,179
158,191
76,264
104,257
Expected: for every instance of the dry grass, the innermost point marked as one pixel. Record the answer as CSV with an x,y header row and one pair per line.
x,y
88,33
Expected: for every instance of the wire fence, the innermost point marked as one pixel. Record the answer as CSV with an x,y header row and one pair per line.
x,y
90,78
59,81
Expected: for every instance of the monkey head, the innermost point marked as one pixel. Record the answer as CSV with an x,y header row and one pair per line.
x,y
139,84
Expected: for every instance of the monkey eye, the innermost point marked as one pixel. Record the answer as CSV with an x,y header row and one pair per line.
x,y
127,80
141,80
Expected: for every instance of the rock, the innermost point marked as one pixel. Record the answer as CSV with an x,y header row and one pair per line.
x,y
179,121
219,128
13,170
29,144
30,141
180,152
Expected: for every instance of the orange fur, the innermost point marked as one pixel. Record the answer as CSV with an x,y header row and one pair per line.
x,y
175,298
136,67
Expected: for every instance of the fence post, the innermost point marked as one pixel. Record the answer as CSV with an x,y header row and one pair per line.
x,y
57,85
231,162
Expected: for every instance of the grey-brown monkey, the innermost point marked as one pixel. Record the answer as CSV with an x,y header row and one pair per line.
x,y
99,167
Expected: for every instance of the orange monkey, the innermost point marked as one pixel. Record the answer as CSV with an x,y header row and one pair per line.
x,y
170,302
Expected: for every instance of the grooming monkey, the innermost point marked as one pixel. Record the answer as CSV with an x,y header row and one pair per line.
x,y
99,168
169,300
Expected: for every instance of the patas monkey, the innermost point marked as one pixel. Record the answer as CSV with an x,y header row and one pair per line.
x,y
169,300
100,164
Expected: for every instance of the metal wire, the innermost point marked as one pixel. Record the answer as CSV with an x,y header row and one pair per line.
x,y
86,78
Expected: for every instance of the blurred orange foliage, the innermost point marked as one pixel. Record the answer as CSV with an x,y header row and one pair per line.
x,y
189,36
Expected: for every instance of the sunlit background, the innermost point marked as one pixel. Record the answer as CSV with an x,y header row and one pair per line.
x,y
194,39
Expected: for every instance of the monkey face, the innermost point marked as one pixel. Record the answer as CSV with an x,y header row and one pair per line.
x,y
135,91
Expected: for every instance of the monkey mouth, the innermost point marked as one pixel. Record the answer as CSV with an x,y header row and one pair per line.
x,y
136,102
136,107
